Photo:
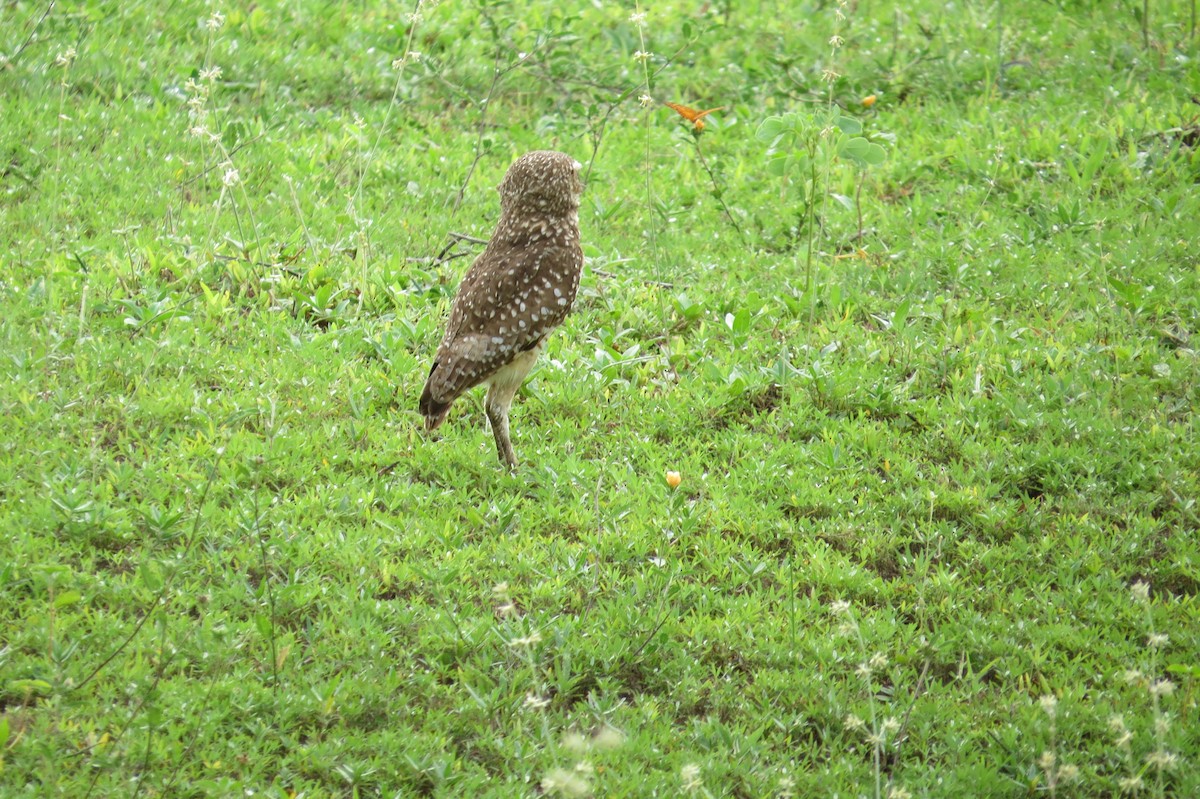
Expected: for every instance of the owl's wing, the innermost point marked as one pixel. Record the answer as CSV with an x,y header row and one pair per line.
x,y
509,300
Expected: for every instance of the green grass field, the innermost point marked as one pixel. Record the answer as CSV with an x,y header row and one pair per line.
x,y
936,532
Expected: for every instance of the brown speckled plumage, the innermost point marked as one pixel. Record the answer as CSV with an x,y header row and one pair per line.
x,y
517,291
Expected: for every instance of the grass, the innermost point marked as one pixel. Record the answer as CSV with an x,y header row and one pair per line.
x,y
935,515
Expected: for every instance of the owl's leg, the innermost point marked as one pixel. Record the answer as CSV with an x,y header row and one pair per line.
x,y
502,387
497,411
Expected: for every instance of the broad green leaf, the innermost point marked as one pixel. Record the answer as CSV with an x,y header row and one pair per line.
x,y
849,125
149,575
875,155
770,129
1130,292
263,623
66,598
855,147
779,165
29,687
739,323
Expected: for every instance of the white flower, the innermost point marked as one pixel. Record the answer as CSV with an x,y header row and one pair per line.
x,y
1140,592
840,607
1130,784
526,641
1161,759
210,73
1049,704
1162,688
608,738
641,55
1157,640
575,743
853,722
689,775
565,783
65,58
637,17
215,21
836,41
645,100
535,702
231,177
1068,772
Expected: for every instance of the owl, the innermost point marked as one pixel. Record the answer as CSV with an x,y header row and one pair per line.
x,y
516,292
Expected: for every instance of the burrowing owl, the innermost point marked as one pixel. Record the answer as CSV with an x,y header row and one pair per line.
x,y
517,291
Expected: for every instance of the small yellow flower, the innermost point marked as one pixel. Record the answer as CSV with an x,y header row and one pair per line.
x,y
869,100
674,479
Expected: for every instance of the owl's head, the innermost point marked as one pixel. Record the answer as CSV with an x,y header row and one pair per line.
x,y
543,181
